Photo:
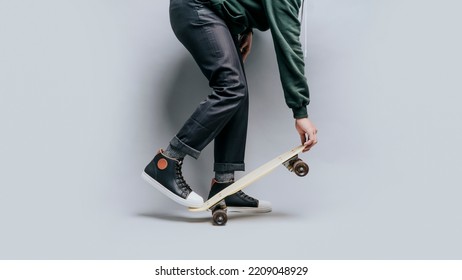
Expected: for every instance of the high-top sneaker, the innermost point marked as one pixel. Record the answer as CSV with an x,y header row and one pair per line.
x,y
240,202
165,175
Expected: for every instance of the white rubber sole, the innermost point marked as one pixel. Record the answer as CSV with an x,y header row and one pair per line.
x,y
193,199
263,207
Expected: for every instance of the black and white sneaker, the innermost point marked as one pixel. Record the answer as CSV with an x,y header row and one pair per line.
x,y
240,202
165,175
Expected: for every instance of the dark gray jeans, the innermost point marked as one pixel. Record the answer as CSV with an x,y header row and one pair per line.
x,y
223,115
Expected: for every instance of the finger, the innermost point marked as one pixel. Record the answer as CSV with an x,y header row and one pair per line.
x,y
313,136
245,54
303,138
306,142
311,142
245,51
244,44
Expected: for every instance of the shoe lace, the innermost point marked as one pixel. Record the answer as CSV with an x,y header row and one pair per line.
x,y
180,179
245,196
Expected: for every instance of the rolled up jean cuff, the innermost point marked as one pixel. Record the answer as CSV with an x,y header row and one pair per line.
x,y
179,145
228,167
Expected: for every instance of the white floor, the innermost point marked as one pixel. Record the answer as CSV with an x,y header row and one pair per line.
x,y
346,216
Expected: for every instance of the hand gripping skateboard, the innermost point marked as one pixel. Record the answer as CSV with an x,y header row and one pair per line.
x,y
216,203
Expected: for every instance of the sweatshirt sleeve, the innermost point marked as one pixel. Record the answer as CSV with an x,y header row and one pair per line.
x,y
285,30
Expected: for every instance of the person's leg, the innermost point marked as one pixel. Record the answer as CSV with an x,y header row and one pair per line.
x,y
215,50
229,144
209,41
229,152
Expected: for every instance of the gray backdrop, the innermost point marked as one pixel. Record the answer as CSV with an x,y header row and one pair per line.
x,y
91,89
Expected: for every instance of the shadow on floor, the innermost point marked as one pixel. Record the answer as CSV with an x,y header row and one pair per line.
x,y
206,217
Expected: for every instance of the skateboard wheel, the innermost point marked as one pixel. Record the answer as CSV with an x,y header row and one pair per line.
x,y
220,217
301,168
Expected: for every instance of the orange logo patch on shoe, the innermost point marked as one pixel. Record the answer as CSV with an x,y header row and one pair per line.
x,y
162,164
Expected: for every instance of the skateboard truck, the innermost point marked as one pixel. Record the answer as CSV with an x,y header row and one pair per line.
x,y
297,165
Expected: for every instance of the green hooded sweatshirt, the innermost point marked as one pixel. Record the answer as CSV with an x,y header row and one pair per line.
x,y
281,17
